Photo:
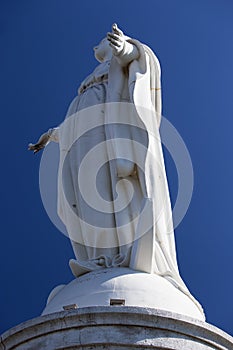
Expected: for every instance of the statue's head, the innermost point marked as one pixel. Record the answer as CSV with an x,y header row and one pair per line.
x,y
103,51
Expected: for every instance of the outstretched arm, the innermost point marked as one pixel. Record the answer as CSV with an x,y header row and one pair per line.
x,y
124,51
50,135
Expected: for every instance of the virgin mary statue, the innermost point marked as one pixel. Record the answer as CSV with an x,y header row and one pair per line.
x,y
112,190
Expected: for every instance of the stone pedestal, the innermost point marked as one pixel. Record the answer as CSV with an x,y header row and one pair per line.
x,y
155,314
137,288
115,327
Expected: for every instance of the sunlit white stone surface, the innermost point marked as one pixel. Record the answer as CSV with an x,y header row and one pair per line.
x,y
136,288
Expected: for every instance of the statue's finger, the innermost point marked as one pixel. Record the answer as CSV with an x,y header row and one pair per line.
x,y
115,42
116,30
114,47
114,36
114,26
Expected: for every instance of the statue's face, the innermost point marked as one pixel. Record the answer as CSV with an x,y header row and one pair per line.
x,y
103,51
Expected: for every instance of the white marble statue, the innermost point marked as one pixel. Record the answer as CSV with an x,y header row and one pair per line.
x,y
128,72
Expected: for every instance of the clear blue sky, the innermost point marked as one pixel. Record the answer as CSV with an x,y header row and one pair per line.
x,y
46,51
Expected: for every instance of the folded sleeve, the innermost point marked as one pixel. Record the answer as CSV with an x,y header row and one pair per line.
x,y
54,134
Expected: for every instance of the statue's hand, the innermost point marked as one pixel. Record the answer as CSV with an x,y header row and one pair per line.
x,y
41,143
35,147
116,39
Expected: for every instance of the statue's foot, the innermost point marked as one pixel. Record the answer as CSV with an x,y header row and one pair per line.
x,y
77,269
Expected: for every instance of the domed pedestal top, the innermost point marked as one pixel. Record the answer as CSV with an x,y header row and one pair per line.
x,y
135,288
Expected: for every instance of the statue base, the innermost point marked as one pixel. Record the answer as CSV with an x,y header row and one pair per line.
x,y
115,327
134,288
